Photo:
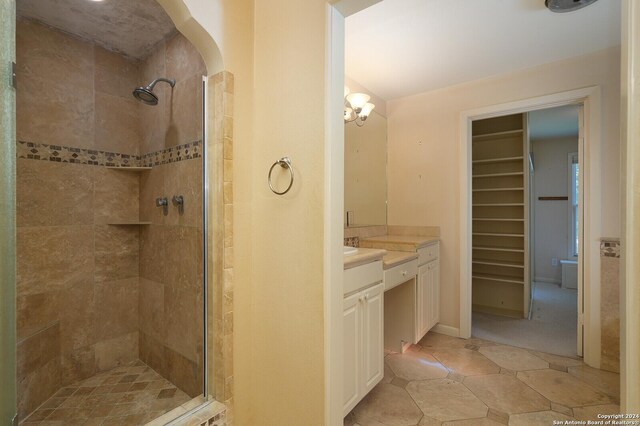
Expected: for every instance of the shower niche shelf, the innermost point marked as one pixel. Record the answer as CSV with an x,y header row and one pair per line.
x,y
125,223
129,169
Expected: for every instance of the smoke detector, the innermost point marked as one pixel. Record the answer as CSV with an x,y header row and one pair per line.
x,y
561,6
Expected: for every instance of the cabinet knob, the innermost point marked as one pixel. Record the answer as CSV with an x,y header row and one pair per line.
x,y
366,296
404,273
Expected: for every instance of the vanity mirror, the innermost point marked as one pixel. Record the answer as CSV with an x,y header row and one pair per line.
x,y
365,172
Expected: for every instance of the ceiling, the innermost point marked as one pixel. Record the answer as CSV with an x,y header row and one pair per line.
x,y
558,122
398,48
129,27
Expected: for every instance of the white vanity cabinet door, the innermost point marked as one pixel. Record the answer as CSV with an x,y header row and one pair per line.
x,y
434,293
373,337
352,351
423,301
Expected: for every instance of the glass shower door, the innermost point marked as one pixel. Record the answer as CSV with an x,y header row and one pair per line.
x,y
7,215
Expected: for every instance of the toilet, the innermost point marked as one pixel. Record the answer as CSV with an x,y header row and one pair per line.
x,y
569,274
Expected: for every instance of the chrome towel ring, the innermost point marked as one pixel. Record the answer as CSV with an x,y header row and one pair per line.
x,y
285,163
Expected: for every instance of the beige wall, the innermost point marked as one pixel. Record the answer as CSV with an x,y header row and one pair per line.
x,y
551,218
278,241
365,171
424,142
280,350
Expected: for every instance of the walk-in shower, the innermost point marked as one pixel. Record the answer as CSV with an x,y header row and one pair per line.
x,y
146,95
111,316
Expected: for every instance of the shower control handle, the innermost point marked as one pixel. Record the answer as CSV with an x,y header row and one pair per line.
x,y
164,203
178,200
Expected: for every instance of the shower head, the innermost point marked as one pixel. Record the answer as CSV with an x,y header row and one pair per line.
x,y
146,95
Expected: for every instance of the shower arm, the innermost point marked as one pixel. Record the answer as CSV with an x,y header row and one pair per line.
x,y
171,82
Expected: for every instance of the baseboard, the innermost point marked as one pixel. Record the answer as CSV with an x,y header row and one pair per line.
x,y
446,329
546,280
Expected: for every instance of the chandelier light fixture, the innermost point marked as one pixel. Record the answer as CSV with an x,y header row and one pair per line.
x,y
356,107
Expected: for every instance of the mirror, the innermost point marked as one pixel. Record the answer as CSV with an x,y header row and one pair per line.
x,y
365,172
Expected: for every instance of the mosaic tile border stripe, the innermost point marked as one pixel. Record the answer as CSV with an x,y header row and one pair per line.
x,y
352,241
610,247
66,154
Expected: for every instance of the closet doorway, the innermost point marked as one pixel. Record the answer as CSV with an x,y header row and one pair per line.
x,y
526,229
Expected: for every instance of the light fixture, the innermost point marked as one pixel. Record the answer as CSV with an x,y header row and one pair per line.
x,y
562,6
356,107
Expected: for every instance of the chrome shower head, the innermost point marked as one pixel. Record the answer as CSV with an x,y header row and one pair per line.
x,y
146,95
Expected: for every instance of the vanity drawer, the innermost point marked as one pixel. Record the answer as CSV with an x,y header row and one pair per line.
x,y
428,253
362,276
400,274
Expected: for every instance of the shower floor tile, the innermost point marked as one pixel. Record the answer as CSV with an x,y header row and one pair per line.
x,y
129,395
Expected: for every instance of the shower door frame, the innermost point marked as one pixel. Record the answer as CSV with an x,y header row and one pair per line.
x,y
8,396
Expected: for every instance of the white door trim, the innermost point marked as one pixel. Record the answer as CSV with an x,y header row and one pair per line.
x,y
590,97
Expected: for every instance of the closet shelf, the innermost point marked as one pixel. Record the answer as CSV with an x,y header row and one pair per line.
x,y
495,234
497,189
496,219
497,135
499,278
498,160
498,175
504,263
503,249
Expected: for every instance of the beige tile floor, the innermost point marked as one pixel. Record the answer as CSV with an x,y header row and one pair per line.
x,y
129,395
446,381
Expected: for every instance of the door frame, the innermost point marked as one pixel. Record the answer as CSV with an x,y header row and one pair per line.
x,y
589,157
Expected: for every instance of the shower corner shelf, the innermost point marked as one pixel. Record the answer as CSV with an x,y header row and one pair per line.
x,y
129,169
128,223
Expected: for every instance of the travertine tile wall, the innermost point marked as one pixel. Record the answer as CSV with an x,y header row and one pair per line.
x,y
92,295
171,248
221,259
77,276
610,303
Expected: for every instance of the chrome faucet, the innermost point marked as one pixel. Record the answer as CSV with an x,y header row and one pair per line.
x,y
164,203
178,200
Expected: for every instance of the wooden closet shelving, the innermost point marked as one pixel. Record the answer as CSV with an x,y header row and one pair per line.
x,y
499,226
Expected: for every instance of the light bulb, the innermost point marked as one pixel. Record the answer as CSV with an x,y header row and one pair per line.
x,y
366,110
358,101
349,114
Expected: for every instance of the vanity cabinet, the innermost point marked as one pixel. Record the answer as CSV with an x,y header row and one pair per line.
x,y
427,290
363,328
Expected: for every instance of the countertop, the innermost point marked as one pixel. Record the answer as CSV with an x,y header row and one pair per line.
x,y
398,242
362,257
395,258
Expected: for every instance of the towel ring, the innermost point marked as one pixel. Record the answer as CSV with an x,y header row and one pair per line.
x,y
285,163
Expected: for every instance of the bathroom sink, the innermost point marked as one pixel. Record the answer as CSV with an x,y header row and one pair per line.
x,y
349,250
